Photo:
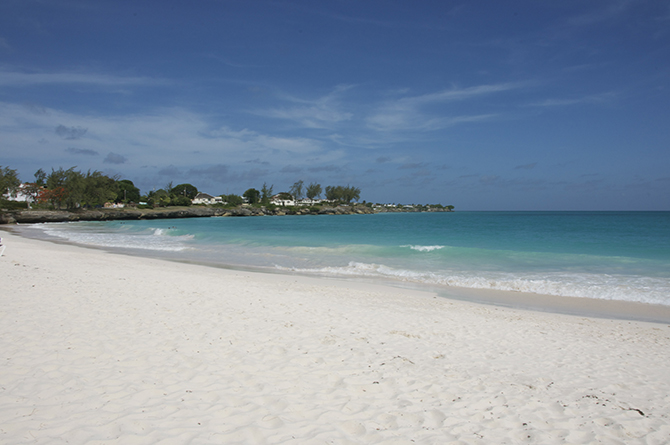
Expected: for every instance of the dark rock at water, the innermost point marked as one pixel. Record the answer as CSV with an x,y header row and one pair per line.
x,y
43,216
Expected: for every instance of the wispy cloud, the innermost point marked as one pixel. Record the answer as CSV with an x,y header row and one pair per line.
x,y
70,133
228,62
407,121
412,165
458,94
394,24
156,137
326,168
257,161
526,166
22,79
81,151
360,20
115,158
4,45
591,99
611,10
408,113
290,169
223,174
319,113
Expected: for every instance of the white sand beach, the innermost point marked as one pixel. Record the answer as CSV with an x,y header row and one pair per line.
x,y
100,348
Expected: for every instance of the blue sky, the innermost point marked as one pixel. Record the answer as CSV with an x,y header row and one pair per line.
x,y
517,105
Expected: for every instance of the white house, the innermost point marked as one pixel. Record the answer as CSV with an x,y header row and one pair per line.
x,y
311,202
204,198
22,195
282,199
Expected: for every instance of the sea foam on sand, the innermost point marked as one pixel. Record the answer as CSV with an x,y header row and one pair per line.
x,y
102,348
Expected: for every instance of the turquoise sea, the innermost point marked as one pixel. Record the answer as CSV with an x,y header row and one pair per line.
x,y
601,255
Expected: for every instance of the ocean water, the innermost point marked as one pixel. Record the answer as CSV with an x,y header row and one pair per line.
x,y
601,255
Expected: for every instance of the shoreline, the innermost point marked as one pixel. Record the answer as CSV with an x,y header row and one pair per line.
x,y
575,306
101,347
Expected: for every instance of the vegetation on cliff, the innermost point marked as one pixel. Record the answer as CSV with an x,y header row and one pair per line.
x,y
71,195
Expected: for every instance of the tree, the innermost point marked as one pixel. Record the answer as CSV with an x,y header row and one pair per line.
x,y
180,201
71,182
186,190
232,200
127,192
32,191
252,196
52,196
74,189
9,181
313,190
333,193
285,196
345,194
40,178
266,194
158,198
351,193
98,189
297,190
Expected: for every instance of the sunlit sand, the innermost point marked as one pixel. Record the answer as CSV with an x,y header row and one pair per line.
x,y
105,348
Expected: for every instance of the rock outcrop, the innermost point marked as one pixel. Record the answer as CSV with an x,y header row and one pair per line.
x,y
43,216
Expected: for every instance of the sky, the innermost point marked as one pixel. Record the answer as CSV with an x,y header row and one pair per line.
x,y
483,105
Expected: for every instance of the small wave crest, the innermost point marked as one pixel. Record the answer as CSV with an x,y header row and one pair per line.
x,y
424,248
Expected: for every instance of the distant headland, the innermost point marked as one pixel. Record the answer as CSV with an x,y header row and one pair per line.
x,y
34,216
70,195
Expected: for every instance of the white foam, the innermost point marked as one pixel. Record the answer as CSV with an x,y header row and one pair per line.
x,y
606,287
157,240
424,248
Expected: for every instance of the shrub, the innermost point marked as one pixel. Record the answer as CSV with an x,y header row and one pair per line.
x,y
12,205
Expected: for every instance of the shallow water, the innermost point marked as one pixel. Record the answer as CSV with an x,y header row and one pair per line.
x,y
621,256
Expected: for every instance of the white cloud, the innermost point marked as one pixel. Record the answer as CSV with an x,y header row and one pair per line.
x,y
255,143
163,137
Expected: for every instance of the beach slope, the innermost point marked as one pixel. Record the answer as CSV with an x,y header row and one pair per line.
x,y
104,348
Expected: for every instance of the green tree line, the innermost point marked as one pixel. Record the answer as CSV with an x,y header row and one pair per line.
x,y
298,191
72,189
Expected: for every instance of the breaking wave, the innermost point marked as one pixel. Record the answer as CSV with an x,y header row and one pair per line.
x,y
606,287
424,248
156,239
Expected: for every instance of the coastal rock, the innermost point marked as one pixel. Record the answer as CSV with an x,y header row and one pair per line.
x,y
327,211
43,216
241,211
